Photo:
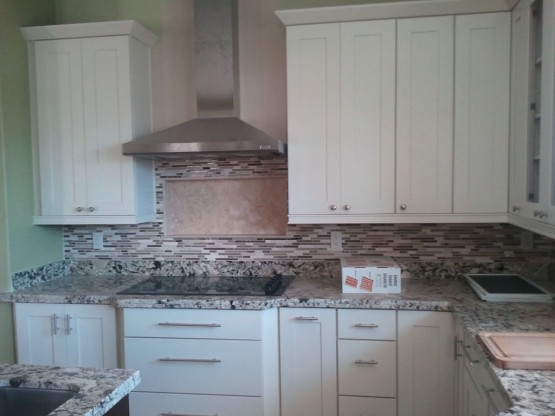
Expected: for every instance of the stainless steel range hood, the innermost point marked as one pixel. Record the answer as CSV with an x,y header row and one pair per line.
x,y
218,131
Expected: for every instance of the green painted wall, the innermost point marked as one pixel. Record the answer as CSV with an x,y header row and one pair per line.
x,y
23,245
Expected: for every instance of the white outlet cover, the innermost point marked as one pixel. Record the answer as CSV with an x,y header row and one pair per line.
x,y
98,240
336,241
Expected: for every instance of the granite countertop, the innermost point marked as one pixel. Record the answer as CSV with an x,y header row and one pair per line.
x,y
98,390
531,392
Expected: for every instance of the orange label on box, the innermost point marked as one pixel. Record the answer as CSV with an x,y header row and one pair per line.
x,y
351,281
367,284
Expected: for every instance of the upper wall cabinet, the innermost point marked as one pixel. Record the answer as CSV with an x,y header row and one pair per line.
x,y
341,86
90,87
532,190
397,120
482,79
425,115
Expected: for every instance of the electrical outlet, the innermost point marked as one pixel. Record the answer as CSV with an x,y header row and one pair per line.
x,y
98,240
526,240
336,241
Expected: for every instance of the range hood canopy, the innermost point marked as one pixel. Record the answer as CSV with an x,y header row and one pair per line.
x,y
218,131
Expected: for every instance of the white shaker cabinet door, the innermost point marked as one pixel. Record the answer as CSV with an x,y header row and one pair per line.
x,y
482,62
308,355
60,126
313,113
425,115
426,363
107,110
368,117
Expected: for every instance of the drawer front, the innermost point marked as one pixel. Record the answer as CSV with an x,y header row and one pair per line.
x,y
366,324
367,368
192,323
196,366
366,406
156,404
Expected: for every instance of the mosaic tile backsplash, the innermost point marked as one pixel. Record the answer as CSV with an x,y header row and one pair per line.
x,y
466,243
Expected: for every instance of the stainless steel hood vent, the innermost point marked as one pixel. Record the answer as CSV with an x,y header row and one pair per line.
x,y
218,131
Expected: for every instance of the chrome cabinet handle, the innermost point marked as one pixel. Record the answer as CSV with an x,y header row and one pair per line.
x,y
366,325
333,207
515,208
536,213
68,324
91,209
79,209
457,343
488,391
403,207
306,318
55,326
187,414
189,324
190,360
347,207
364,362
470,359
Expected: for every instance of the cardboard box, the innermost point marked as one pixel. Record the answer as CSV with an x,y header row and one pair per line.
x,y
370,275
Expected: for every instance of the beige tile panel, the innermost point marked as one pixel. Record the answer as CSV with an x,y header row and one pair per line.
x,y
230,206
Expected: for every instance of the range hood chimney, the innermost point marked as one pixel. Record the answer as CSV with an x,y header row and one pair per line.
x,y
218,130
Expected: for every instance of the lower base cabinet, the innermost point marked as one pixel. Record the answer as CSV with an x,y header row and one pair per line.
x,y
426,348
154,404
367,406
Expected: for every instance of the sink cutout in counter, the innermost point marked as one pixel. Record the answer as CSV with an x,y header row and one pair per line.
x,y
226,206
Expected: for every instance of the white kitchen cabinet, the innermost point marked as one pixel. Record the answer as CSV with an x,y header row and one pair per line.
x,y
426,363
425,115
341,108
482,76
90,92
308,357
65,335
191,361
532,179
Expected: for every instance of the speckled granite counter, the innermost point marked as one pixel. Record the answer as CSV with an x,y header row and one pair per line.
x,y
98,390
532,392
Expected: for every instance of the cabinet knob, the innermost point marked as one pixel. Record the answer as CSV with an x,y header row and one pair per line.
x,y
536,213
91,209
403,207
333,207
79,209
347,207
515,208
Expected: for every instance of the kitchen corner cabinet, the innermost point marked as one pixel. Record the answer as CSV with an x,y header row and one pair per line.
x,y
90,92
532,179
308,358
65,335
426,363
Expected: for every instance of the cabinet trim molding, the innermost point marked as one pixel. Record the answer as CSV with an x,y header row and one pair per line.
x,y
400,218
391,11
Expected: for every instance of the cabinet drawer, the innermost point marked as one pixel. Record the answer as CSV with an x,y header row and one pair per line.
x,y
196,366
155,404
367,368
366,324
366,406
192,323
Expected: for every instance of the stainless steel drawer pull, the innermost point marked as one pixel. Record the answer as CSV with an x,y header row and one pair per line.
x,y
68,324
366,325
187,414
488,391
470,359
190,360
306,318
55,326
371,362
189,324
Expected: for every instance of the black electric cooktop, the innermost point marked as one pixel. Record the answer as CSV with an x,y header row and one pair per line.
x,y
211,285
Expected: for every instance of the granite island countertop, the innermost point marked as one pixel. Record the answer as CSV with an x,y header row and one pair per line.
x,y
98,390
531,392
